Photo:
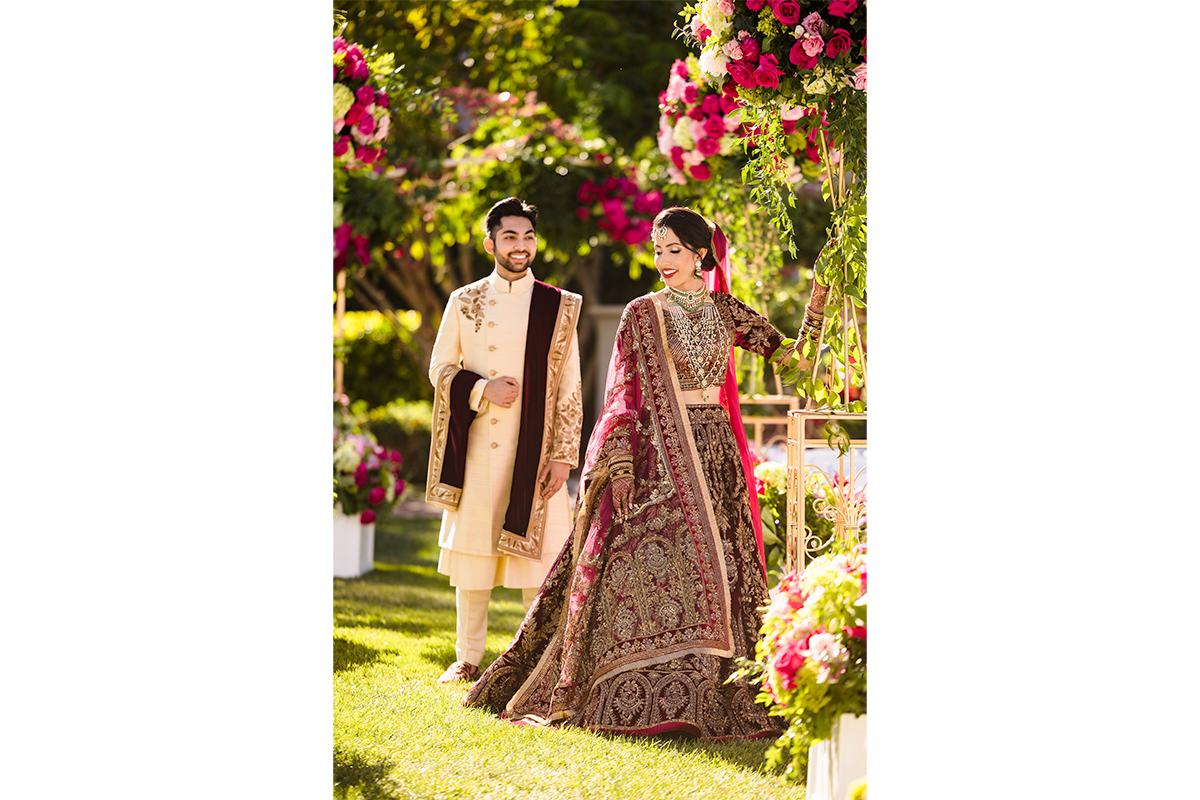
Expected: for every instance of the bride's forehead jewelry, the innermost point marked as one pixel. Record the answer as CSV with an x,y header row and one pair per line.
x,y
660,233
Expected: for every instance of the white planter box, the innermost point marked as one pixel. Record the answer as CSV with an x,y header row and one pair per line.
x,y
353,546
835,763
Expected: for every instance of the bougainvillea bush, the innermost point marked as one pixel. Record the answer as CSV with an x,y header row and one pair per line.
x,y
812,658
619,208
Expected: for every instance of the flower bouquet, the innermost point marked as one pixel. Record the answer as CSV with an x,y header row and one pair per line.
x,y
620,209
812,658
360,114
366,475
782,52
699,125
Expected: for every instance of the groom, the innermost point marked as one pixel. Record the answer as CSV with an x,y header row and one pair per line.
x,y
507,416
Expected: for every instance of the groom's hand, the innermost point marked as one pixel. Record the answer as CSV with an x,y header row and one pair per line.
x,y
552,478
502,391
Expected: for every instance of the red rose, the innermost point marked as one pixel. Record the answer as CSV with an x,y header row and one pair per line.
x,y
700,172
360,71
360,249
696,113
582,213
399,487
857,633
648,203
662,100
690,93
394,456
751,50
741,74
355,114
679,68
842,8
367,126
768,72
787,662
703,34
360,475
787,12
755,5
677,156
341,146
365,95
813,153
711,104
381,99
838,43
728,102
708,147
800,58
367,517
367,155
339,44
376,496
714,127
789,126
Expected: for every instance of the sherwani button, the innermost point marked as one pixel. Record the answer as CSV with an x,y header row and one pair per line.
x,y
494,445
492,371
491,324
491,347
494,420
491,302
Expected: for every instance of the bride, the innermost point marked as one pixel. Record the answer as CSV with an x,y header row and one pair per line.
x,y
637,626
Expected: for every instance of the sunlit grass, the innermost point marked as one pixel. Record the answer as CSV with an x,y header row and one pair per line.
x,y
398,734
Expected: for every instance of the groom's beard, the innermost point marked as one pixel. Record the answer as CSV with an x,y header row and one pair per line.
x,y
508,265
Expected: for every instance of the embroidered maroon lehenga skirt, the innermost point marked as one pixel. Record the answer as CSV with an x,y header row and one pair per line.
x,y
686,693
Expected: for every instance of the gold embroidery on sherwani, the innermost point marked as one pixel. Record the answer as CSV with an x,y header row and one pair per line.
x,y
568,428
471,302
437,493
530,545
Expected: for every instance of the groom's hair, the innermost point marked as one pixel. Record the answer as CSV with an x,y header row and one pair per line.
x,y
508,207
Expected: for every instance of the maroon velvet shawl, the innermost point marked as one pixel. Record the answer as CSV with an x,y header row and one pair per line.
x,y
652,588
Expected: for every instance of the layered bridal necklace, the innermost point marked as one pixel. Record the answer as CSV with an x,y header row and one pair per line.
x,y
702,334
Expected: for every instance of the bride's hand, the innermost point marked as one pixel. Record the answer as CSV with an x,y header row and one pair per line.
x,y
622,496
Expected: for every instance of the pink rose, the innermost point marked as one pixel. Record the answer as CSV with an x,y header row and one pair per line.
x,y
360,71
787,662
395,457
799,57
704,34
838,43
711,104
768,72
700,172
725,7
399,486
787,12
813,153
338,124
709,147
741,74
789,126
714,127
842,8
339,44
365,95
751,50
367,517
690,93
355,114
732,50
381,99
367,155
615,211
341,236
662,99
341,146
677,156
696,113
582,213
813,45
680,68
367,126
813,23
360,475
857,633
755,5
355,52
376,496
860,77
364,255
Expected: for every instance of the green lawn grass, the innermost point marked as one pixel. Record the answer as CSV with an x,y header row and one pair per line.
x,y
398,734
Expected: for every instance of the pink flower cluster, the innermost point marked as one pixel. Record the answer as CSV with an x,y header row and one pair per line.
x,y
800,628
359,109
343,238
696,122
623,211
814,31
368,476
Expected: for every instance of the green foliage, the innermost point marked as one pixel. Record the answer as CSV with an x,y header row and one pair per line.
x,y
382,361
399,425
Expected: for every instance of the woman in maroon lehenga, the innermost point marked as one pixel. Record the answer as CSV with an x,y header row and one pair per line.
x,y
637,626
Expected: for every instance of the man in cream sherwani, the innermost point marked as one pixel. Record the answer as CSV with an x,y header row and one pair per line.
x,y
507,420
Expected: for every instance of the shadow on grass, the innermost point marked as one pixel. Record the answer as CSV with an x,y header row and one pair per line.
x,y
348,654
369,775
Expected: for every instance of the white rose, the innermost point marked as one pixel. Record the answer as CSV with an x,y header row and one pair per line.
x,y
713,62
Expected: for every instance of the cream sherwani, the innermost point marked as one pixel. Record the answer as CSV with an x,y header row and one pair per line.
x,y
483,330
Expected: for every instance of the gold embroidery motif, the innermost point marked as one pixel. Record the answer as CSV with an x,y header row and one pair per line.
x,y
568,428
471,302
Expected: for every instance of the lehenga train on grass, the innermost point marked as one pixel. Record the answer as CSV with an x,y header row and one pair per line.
x,y
637,626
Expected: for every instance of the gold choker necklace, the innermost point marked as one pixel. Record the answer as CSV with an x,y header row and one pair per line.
x,y
689,301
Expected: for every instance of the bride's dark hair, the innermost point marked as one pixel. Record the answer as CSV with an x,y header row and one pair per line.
x,y
692,229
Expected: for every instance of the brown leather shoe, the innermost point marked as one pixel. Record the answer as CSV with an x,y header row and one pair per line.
x,y
459,671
